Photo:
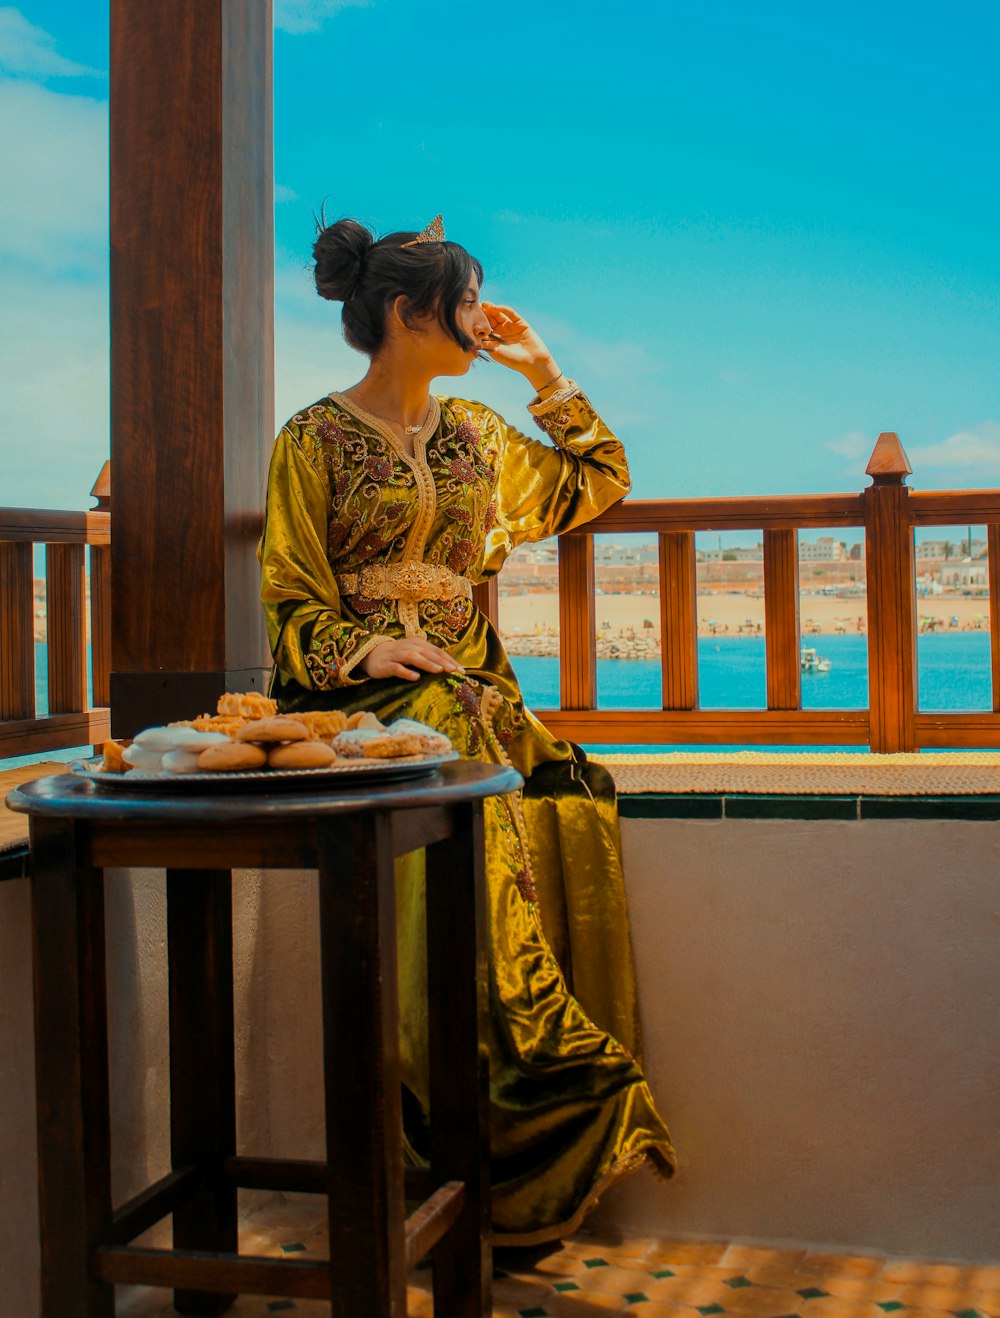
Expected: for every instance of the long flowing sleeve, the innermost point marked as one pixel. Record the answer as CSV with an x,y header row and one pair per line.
x,y
311,639
545,489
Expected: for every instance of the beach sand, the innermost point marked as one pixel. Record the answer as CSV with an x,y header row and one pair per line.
x,y
730,612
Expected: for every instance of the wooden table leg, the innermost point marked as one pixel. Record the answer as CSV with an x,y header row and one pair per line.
x,y
459,1062
71,1072
357,918
202,1069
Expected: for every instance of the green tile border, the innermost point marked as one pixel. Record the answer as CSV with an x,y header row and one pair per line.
x,y
669,805
769,805
930,807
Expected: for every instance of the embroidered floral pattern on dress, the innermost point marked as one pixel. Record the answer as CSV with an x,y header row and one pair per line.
x,y
336,534
462,470
370,544
468,698
378,468
324,666
329,432
469,433
526,886
460,555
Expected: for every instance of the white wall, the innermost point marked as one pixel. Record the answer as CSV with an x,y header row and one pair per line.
x,y
821,1005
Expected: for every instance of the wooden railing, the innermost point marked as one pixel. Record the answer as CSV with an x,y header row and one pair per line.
x,y
887,511
72,719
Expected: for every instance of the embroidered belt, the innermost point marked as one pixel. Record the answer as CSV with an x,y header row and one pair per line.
x,y
405,581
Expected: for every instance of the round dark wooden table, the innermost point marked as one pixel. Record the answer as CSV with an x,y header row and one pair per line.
x,y
351,836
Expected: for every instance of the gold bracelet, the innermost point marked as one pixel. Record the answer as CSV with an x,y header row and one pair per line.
x,y
559,376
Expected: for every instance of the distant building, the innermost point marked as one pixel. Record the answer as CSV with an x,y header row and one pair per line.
x,y
734,554
622,555
964,574
935,549
948,549
824,549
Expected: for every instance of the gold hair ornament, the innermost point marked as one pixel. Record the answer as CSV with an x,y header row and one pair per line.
x,y
434,233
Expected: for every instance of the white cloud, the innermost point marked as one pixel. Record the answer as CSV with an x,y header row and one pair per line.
x,y
978,447
53,295
283,194
300,16
54,415
855,446
968,457
54,166
30,50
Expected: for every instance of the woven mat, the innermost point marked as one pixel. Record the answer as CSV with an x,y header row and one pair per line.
x,y
811,773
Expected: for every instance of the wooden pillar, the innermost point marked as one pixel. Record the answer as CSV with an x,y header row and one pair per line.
x,y
577,629
17,648
892,632
191,350
781,619
65,598
679,619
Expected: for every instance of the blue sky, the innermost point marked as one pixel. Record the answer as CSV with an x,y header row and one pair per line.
x,y
757,233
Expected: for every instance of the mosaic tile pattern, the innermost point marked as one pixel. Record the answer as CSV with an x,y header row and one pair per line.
x,y
587,1277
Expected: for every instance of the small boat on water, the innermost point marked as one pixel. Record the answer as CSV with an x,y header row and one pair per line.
x,y
811,661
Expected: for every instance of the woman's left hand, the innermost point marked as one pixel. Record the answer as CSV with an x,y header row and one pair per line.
x,y
517,345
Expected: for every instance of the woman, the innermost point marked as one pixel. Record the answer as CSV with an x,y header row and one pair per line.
x,y
384,505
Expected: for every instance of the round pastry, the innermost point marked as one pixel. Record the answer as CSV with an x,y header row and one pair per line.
x,y
248,704
278,728
142,757
156,739
178,761
431,741
190,739
364,720
178,737
302,755
391,748
232,757
352,741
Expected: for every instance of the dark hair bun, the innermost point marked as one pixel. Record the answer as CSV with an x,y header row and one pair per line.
x,y
339,252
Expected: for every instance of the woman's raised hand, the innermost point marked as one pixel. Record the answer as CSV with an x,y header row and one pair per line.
x,y
407,657
515,344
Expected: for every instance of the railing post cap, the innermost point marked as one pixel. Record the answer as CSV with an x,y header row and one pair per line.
x,y
888,464
102,487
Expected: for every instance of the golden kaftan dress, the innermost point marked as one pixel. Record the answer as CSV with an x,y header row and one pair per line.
x,y
570,1110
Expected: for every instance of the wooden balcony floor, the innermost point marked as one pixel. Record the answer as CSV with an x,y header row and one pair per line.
x,y
590,1276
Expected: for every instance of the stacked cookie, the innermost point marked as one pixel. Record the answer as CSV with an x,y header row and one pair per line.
x,y
278,742
247,733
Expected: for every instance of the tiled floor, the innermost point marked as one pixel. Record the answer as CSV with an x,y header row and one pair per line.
x,y
588,1277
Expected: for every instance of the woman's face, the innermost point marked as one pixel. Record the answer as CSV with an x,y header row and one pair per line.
x,y
443,355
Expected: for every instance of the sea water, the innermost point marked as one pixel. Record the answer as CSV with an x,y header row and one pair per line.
x,y
953,673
